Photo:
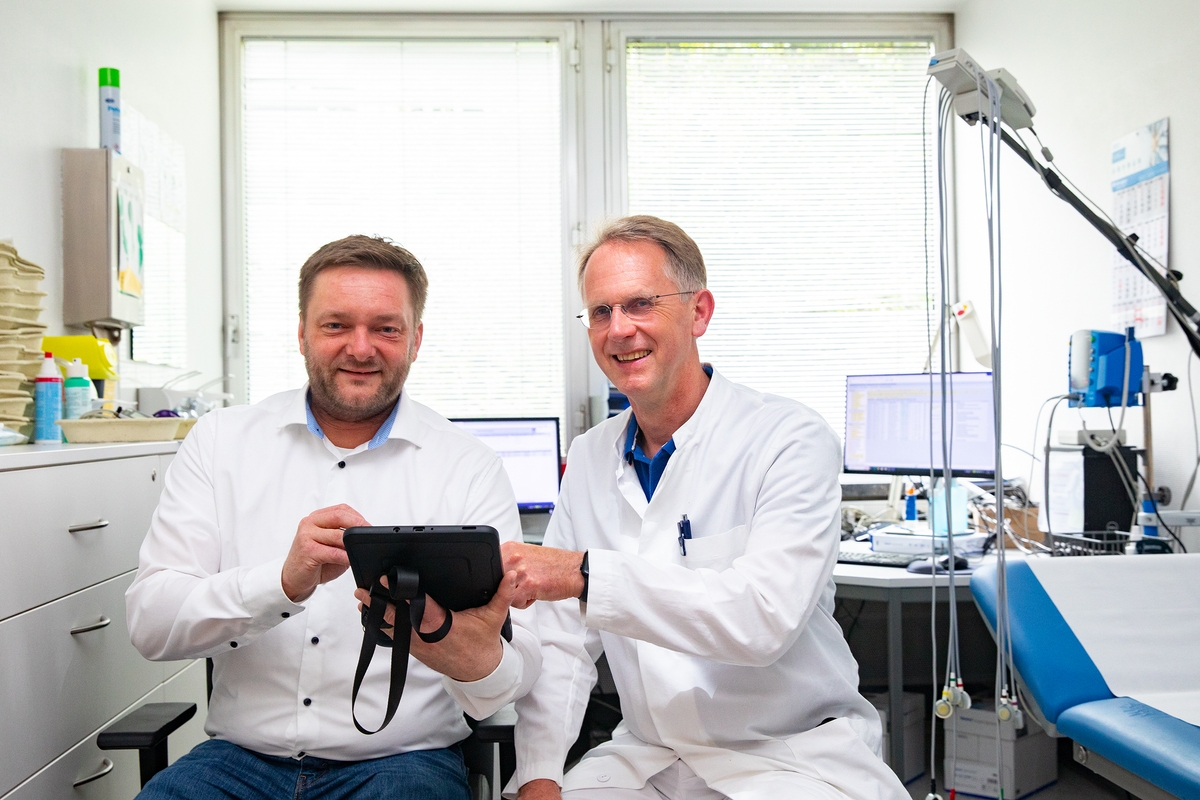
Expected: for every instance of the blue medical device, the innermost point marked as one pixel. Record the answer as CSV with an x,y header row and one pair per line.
x,y
1097,369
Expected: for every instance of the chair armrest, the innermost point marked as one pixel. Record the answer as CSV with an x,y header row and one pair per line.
x,y
498,727
147,727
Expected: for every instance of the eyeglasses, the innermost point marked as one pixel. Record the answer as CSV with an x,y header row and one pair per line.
x,y
638,309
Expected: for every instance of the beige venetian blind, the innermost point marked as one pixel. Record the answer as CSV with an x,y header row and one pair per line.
x,y
450,148
797,167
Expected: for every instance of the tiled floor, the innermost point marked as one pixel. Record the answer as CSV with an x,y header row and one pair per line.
x,y
1075,782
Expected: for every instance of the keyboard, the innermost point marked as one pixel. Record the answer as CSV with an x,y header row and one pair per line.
x,y
873,559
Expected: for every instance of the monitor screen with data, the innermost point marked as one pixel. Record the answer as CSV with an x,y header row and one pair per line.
x,y
894,423
529,449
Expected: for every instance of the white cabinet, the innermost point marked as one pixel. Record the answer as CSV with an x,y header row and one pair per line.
x,y
72,526
72,521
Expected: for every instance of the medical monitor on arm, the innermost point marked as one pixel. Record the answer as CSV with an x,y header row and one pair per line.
x,y
529,448
894,422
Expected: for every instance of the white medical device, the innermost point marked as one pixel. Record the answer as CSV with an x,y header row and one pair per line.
x,y
964,78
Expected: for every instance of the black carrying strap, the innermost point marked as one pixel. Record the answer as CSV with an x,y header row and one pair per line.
x,y
404,587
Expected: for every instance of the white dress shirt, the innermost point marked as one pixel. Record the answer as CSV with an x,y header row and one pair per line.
x,y
209,581
727,657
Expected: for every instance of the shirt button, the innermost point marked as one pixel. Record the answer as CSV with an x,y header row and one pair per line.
x,y
233,644
308,701
285,615
300,754
602,778
315,640
342,464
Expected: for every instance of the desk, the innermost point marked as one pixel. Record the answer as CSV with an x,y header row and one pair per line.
x,y
895,587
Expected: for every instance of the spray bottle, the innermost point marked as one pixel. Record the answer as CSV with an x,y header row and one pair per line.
x,y
77,391
48,403
110,108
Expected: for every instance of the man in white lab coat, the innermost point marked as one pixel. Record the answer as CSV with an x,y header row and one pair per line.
x,y
699,531
244,561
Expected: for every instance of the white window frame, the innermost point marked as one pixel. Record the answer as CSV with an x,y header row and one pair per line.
x,y
594,165
236,28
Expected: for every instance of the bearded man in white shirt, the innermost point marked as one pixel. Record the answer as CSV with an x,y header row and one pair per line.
x,y
244,562
699,531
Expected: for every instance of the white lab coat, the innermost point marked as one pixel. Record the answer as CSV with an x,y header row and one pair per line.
x,y
729,657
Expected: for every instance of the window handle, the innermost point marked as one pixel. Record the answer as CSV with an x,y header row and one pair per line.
x,y
106,767
103,622
88,526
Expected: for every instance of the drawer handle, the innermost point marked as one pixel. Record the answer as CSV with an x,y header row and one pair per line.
x,y
95,626
106,767
88,526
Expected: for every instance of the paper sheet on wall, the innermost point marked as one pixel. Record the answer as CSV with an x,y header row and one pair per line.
x,y
163,166
1066,492
163,338
1141,196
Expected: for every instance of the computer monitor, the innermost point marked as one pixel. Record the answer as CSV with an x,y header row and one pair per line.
x,y
529,448
890,420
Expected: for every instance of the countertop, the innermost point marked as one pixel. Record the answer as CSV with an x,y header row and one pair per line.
x,y
27,456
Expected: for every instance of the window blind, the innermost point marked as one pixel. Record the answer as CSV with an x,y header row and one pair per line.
x,y
797,168
452,149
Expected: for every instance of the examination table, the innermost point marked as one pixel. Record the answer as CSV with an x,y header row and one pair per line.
x,y
1107,653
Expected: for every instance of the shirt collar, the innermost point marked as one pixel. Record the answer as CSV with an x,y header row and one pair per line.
x,y
381,435
402,423
631,430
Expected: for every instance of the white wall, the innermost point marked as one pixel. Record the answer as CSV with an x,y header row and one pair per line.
x,y
167,54
1096,71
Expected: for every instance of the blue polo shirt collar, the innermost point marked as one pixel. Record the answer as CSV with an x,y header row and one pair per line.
x,y
649,470
380,436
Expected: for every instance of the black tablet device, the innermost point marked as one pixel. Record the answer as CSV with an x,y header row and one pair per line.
x,y
459,565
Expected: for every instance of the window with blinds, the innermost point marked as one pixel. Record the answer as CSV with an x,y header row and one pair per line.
x,y
453,150
797,168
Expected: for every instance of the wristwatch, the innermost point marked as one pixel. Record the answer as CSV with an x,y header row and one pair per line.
x,y
583,570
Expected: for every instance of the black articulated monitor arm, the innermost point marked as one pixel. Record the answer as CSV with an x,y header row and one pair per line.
x,y
1183,311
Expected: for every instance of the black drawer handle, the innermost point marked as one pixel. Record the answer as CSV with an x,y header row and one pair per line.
x,y
95,626
88,526
106,767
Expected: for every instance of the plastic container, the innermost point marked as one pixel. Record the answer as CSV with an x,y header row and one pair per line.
x,y
110,109
77,391
958,508
48,403
144,429
910,504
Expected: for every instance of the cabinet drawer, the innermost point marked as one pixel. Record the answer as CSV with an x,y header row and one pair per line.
x,y
42,505
57,779
58,687
84,760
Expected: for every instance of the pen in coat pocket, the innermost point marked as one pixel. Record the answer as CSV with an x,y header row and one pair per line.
x,y
685,533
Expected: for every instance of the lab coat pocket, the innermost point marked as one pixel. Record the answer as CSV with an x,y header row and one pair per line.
x,y
717,551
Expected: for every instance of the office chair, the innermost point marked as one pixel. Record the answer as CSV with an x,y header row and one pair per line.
x,y
146,730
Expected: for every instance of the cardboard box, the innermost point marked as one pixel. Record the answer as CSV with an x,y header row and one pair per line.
x,y
1029,757
1024,522
915,760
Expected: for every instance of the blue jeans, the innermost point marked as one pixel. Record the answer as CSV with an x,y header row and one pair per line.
x,y
219,769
